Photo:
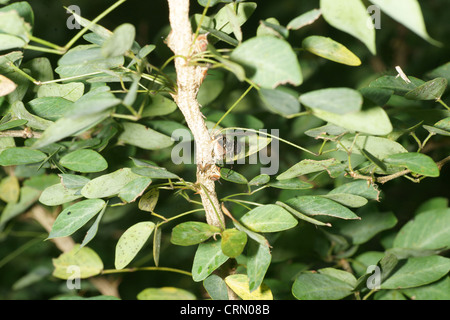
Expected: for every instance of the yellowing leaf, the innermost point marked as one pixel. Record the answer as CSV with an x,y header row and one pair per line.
x,y
77,263
239,284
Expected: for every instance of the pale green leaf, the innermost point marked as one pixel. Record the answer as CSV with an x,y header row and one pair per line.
x,y
74,217
109,184
408,13
192,232
21,155
373,121
208,257
428,230
416,162
258,261
165,293
78,262
316,205
269,61
120,42
268,218
350,16
418,271
84,160
59,194
304,19
329,49
141,136
131,242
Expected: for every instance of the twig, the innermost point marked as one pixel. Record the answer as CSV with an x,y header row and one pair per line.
x,y
181,41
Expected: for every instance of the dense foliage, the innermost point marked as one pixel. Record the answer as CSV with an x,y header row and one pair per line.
x,y
353,119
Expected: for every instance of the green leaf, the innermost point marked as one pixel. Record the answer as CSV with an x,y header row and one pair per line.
x,y
268,218
252,235
239,284
418,271
272,27
316,205
232,176
154,172
304,19
208,257
13,24
279,101
149,200
307,166
23,8
320,286
428,230
21,155
259,180
377,146
340,101
51,108
96,100
301,216
90,234
59,194
442,71
269,61
373,121
131,242
12,124
258,261
329,49
211,88
18,111
66,127
120,42
86,59
233,242
109,184
192,232
134,189
143,137
351,17
431,90
359,188
86,259
346,199
70,91
216,287
291,184
84,160
372,222
74,217
8,42
165,293
416,162
433,203
72,181
408,13
397,84
243,12
439,290
156,245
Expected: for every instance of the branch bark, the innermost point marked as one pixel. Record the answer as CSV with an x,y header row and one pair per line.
x,y
189,78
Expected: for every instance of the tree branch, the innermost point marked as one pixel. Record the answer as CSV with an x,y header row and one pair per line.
x,y
189,78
